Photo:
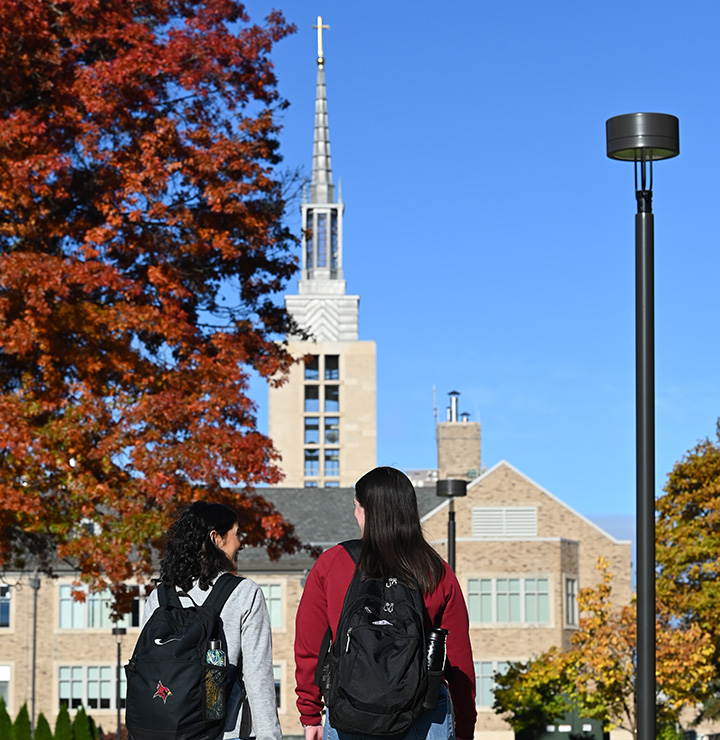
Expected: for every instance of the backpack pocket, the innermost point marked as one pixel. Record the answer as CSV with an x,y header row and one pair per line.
x,y
214,686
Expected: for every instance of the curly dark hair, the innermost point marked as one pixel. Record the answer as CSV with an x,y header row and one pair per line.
x,y
190,554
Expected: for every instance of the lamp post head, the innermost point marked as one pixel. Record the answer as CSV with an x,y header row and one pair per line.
x,y
451,487
636,137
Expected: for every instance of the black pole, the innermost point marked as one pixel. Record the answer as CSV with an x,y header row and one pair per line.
x,y
645,420
117,685
451,535
34,659
35,585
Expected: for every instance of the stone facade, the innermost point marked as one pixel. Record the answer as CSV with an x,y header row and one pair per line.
x,y
538,553
355,440
548,544
458,447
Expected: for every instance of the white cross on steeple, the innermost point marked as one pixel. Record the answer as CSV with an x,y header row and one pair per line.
x,y
321,58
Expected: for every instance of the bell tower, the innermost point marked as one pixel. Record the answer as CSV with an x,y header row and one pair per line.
x,y
323,420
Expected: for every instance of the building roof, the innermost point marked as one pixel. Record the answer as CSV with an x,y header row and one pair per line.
x,y
322,518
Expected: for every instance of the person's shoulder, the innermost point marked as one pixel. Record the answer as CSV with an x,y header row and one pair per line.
x,y
332,554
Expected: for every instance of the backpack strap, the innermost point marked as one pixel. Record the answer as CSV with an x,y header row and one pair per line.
x,y
167,595
221,591
353,548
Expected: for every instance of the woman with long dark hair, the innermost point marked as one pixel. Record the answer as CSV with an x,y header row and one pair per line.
x,y
392,545
202,544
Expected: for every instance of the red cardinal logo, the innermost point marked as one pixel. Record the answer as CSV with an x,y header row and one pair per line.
x,y
162,692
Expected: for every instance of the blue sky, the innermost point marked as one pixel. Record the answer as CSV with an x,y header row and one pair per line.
x,y
492,241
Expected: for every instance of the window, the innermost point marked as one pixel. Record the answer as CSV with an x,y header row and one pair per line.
x,y
332,399
571,607
322,240
307,235
4,605
333,240
277,676
311,484
332,367
495,522
312,462
99,686
94,612
312,368
332,484
273,598
485,671
5,683
312,399
93,686
312,430
332,462
509,600
332,430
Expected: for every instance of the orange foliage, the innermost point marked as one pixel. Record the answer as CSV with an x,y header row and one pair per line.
x,y
141,245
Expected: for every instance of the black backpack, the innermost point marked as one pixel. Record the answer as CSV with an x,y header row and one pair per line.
x,y
172,691
374,676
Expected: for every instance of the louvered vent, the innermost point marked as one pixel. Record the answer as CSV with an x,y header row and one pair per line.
x,y
495,522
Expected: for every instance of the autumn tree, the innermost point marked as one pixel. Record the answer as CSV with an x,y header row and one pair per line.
x,y
597,674
142,245
688,546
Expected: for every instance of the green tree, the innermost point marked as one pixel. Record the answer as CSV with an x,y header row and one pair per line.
x,y
82,729
532,694
597,674
5,721
688,538
142,245
688,543
21,726
63,724
42,729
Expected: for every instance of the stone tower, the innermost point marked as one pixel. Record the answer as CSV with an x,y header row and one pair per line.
x,y
323,420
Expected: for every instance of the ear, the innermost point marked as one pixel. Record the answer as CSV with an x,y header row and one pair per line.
x,y
215,538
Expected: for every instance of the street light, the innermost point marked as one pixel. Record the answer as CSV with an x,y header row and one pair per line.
x,y
118,632
642,138
34,583
451,488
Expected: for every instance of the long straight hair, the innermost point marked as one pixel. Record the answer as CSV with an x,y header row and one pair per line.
x,y
393,543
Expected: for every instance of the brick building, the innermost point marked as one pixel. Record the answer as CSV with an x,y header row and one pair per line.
x,y
522,556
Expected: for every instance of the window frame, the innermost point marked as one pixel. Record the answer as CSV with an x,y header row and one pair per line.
x,y
495,600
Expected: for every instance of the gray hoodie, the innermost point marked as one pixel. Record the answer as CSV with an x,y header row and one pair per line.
x,y
246,624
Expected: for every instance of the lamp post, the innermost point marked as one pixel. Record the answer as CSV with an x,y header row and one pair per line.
x,y
642,138
451,488
34,582
118,632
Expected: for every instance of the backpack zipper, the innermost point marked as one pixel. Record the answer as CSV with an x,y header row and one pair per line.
x,y
347,644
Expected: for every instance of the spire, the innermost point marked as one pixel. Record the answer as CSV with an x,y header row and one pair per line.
x,y
321,187
321,307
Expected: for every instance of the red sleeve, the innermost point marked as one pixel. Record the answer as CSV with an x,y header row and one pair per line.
x,y
320,607
447,609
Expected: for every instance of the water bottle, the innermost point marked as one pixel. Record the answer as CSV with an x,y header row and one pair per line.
x,y
435,664
215,654
215,681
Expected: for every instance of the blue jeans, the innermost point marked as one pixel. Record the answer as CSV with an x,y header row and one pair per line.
x,y
432,724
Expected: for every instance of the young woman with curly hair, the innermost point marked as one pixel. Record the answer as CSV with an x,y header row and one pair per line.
x,y
202,545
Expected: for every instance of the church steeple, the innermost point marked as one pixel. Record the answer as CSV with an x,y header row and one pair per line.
x,y
323,421
321,187
322,215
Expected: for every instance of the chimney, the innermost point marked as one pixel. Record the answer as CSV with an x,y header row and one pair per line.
x,y
458,444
